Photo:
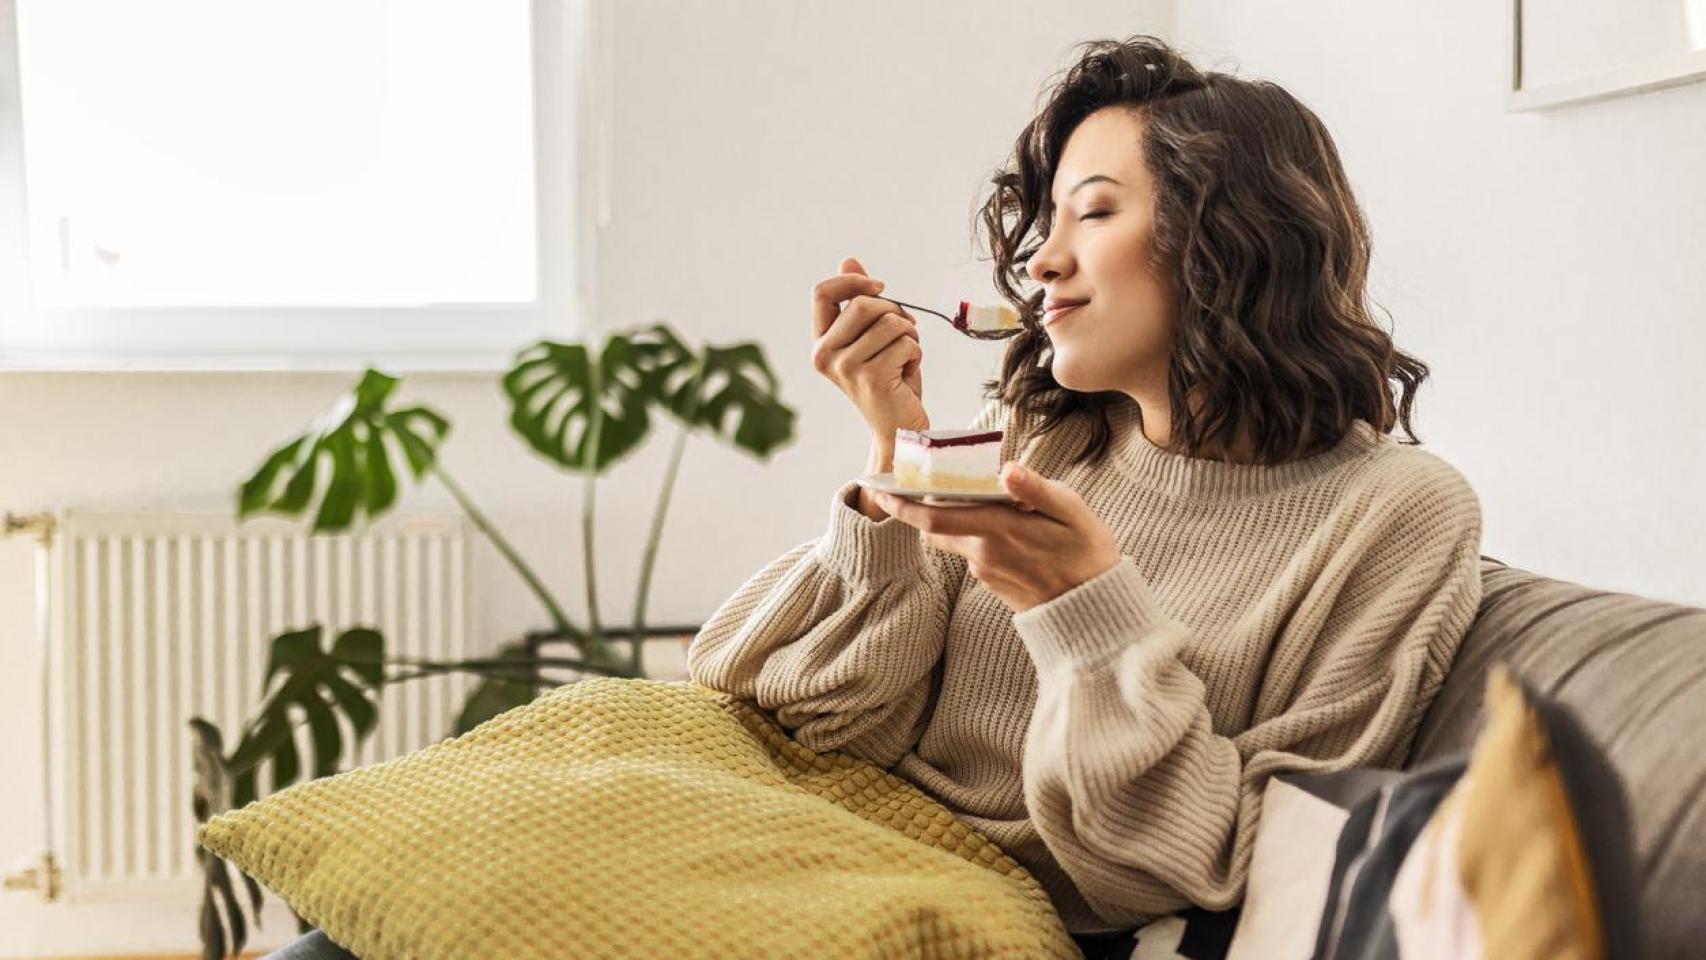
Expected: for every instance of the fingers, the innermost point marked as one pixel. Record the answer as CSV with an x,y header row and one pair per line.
x,y
829,294
895,355
861,334
863,314
891,331
947,544
978,521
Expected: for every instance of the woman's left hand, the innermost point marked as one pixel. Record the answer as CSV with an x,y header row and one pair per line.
x,y
1026,553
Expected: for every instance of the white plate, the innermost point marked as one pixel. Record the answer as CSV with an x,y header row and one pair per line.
x,y
884,483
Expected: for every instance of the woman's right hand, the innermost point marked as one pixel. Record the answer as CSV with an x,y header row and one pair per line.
x,y
870,349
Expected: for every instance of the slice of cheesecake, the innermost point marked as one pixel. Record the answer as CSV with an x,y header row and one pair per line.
x,y
950,461
997,316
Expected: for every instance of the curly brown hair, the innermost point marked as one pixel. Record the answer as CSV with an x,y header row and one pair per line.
x,y
1267,246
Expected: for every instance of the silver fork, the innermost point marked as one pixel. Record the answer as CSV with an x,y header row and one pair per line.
x,y
974,334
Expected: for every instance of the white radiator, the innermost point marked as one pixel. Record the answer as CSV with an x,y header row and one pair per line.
x,y
154,618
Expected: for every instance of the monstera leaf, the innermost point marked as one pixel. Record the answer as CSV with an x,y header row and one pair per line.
x,y
703,392
552,394
351,444
737,381
315,684
555,391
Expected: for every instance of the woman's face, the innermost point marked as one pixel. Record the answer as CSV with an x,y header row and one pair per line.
x,y
1098,251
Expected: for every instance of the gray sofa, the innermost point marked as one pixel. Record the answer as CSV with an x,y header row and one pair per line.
x,y
1634,670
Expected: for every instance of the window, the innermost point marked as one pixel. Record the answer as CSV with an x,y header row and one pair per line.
x,y
292,183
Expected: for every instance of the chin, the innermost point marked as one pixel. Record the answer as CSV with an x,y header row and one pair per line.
x,y
1069,376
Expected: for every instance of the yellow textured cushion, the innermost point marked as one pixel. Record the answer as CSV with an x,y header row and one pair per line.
x,y
635,818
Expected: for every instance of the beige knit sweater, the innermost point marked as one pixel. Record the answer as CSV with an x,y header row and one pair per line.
x,y
1116,739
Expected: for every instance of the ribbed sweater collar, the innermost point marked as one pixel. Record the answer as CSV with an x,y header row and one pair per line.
x,y
1198,478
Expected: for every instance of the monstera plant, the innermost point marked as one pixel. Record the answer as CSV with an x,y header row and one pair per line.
x,y
581,409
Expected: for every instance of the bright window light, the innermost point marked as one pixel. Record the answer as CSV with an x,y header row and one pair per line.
x,y
207,153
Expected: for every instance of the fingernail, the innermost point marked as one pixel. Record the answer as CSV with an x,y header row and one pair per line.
x,y
879,285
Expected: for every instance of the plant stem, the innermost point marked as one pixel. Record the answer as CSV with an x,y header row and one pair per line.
x,y
656,532
589,463
559,621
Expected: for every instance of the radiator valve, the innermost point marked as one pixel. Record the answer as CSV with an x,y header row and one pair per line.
x,y
42,877
40,524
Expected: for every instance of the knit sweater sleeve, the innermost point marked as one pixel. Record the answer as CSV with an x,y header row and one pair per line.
x,y
840,637
1140,798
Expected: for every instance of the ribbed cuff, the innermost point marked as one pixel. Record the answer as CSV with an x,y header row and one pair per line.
x,y
865,550
1104,614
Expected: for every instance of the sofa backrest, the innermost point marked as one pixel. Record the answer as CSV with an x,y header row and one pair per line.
x,y
1633,669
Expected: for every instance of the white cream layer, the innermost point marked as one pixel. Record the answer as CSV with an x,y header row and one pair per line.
x,y
964,467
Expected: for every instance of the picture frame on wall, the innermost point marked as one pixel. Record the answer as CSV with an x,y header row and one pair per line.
x,y
1578,51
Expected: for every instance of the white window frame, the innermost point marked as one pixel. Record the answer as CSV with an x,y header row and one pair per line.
x,y
571,63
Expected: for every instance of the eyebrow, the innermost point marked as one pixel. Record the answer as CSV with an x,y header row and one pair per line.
x,y
1093,178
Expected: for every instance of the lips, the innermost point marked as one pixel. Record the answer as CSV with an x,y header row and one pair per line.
x,y
1057,311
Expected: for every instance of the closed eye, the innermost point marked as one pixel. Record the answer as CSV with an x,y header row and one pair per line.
x,y
1096,214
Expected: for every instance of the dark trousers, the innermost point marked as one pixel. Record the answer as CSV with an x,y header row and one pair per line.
x,y
1115,945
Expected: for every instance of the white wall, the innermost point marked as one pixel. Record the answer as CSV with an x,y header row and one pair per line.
x,y
757,143
1551,267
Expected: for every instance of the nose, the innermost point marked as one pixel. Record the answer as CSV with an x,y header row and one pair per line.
x,y
1047,263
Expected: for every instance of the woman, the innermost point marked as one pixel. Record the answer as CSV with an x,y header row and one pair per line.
x,y
1222,566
